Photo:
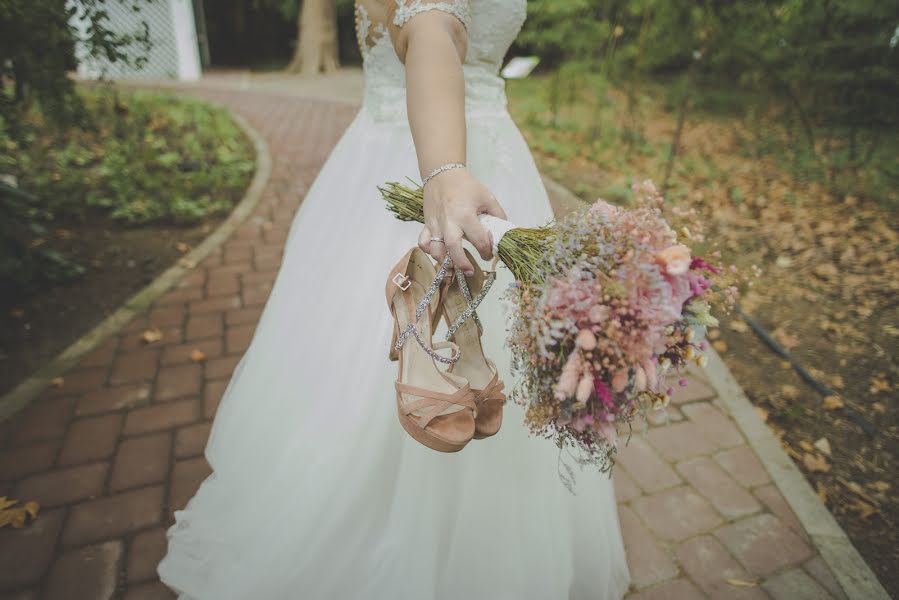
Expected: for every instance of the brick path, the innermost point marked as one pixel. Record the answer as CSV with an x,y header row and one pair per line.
x,y
113,451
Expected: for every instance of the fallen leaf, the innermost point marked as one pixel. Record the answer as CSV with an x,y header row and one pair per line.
x,y
878,385
785,364
826,271
790,392
186,263
739,326
878,407
863,509
790,450
784,262
197,355
719,345
786,340
17,516
806,445
150,336
741,583
823,445
880,486
833,403
815,463
822,492
762,413
837,381
57,381
182,247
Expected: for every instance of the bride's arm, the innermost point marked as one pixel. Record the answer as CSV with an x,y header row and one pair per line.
x,y
432,45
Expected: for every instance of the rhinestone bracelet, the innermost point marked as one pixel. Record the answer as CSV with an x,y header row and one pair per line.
x,y
440,170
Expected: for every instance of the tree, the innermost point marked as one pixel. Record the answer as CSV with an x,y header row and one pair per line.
x,y
37,49
316,49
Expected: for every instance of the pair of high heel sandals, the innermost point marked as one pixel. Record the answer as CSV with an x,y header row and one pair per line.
x,y
442,408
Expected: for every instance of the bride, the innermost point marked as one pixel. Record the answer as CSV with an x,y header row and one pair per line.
x,y
317,492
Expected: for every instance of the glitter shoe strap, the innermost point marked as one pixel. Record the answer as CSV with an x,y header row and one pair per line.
x,y
412,328
472,303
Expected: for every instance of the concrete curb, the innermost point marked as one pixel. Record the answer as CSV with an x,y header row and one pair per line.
x,y
850,569
24,393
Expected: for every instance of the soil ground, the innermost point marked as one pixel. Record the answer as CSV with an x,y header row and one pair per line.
x,y
118,262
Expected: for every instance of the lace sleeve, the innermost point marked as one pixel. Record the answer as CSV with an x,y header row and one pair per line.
x,y
406,9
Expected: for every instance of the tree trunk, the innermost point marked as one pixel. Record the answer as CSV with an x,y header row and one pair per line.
x,y
316,49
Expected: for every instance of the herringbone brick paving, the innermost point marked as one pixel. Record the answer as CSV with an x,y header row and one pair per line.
x,y
114,450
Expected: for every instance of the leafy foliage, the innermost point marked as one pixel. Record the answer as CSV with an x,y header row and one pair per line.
x,y
828,71
37,49
147,158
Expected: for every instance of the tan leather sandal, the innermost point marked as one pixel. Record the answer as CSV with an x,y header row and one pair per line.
x,y
436,408
457,306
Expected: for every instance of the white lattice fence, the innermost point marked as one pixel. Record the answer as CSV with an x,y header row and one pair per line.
x,y
173,53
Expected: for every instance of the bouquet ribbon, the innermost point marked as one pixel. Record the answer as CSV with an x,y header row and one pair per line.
x,y
497,228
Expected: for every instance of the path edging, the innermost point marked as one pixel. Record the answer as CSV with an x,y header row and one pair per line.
x,y
29,389
852,572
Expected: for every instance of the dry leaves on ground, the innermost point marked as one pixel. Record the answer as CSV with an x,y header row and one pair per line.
x,y
150,336
815,463
833,403
17,516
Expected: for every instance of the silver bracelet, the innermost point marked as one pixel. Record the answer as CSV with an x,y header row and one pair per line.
x,y
440,170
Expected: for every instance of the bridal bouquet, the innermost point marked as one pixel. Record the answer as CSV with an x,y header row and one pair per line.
x,y
609,302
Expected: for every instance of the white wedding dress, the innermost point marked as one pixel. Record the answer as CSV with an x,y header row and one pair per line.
x,y
317,492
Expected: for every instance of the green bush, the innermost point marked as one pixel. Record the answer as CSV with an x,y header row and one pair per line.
x,y
140,158
145,158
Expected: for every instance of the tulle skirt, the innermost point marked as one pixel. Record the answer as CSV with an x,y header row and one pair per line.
x,y
317,493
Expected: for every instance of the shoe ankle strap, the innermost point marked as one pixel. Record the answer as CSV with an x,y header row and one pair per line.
x,y
412,328
473,303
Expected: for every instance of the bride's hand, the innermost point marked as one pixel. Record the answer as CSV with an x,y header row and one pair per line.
x,y
452,202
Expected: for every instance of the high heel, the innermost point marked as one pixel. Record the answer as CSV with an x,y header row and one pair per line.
x,y
457,306
436,408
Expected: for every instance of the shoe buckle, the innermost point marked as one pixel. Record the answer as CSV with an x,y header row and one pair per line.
x,y
402,281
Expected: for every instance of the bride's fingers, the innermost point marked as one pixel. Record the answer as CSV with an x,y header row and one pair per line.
x,y
478,236
493,207
438,251
453,237
424,239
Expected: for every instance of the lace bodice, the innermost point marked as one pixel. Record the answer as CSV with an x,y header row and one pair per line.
x,y
491,24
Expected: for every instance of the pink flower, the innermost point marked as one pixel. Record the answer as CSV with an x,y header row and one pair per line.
x,y
584,387
599,313
582,422
698,284
604,208
619,380
586,340
697,264
675,260
603,392
568,378
681,291
640,379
